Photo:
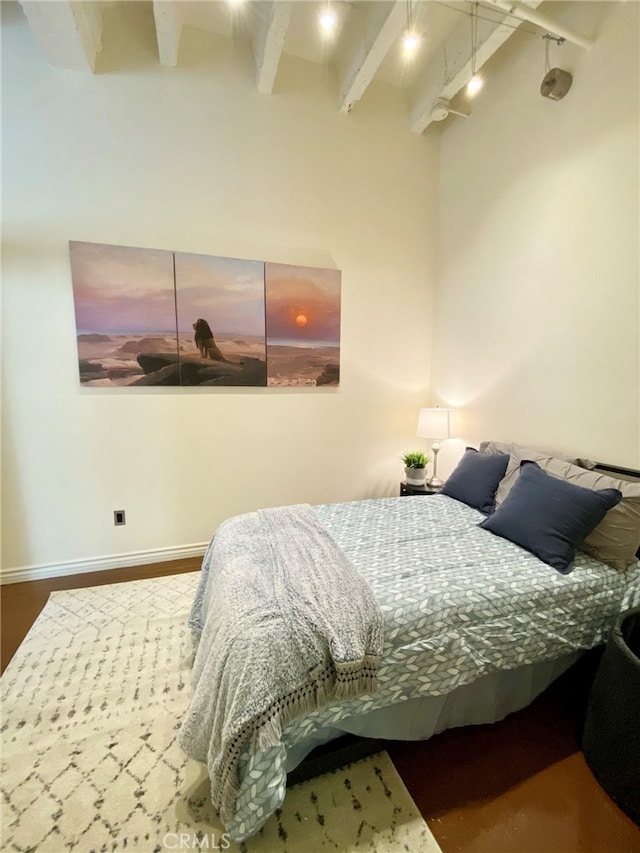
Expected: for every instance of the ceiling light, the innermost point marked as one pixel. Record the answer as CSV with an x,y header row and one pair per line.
x,y
474,85
328,20
410,41
475,82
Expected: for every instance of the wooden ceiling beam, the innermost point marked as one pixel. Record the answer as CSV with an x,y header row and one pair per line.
x,y
268,35
69,33
383,22
527,12
168,20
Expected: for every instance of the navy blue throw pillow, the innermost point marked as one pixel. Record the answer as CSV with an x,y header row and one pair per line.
x,y
548,516
475,479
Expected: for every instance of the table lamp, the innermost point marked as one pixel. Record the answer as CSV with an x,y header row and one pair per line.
x,y
435,424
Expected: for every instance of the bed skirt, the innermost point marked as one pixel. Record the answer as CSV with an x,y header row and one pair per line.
x,y
487,700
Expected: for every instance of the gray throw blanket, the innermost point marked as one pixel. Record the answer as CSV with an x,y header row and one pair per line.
x,y
286,623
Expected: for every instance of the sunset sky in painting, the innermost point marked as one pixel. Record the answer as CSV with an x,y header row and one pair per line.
x,y
303,305
226,292
122,289
119,289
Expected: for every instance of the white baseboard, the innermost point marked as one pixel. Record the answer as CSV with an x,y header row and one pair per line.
x,y
98,564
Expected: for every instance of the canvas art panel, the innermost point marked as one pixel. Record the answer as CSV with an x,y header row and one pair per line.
x,y
220,311
303,325
147,317
125,307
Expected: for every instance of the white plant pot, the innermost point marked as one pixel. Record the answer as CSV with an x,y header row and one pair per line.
x,y
415,476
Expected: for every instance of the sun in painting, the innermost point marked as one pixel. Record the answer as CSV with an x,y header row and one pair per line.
x,y
301,320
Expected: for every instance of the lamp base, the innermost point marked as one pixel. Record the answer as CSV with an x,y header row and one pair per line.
x,y
435,482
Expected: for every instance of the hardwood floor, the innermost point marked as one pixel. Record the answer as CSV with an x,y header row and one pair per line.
x,y
517,786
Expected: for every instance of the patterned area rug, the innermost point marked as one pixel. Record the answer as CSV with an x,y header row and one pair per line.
x,y
92,702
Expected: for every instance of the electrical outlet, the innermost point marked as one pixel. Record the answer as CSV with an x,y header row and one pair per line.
x,y
119,517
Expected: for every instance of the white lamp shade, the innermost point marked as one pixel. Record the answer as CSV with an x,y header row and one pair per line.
x,y
435,423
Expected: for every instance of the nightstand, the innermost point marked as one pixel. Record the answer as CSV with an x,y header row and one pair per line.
x,y
406,489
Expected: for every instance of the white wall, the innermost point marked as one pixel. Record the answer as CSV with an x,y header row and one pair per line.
x,y
194,159
538,326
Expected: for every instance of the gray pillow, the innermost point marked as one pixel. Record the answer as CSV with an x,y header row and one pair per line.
x,y
520,453
503,447
616,538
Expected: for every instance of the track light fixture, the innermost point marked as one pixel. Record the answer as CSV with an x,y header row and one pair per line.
x,y
476,82
328,20
474,85
411,39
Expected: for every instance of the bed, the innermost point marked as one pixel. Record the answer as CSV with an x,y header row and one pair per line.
x,y
474,627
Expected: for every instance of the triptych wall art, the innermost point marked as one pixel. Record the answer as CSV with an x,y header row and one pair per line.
x,y
154,317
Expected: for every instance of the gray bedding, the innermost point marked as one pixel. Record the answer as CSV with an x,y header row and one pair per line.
x,y
458,603
277,637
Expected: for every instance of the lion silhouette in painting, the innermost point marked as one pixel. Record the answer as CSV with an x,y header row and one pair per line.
x,y
204,341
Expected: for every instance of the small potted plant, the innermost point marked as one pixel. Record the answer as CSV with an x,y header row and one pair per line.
x,y
415,467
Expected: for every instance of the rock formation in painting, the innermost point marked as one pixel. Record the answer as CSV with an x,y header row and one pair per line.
x,y
112,360
169,369
330,375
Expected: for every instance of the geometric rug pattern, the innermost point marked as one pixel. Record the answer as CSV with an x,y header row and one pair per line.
x,y
91,705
